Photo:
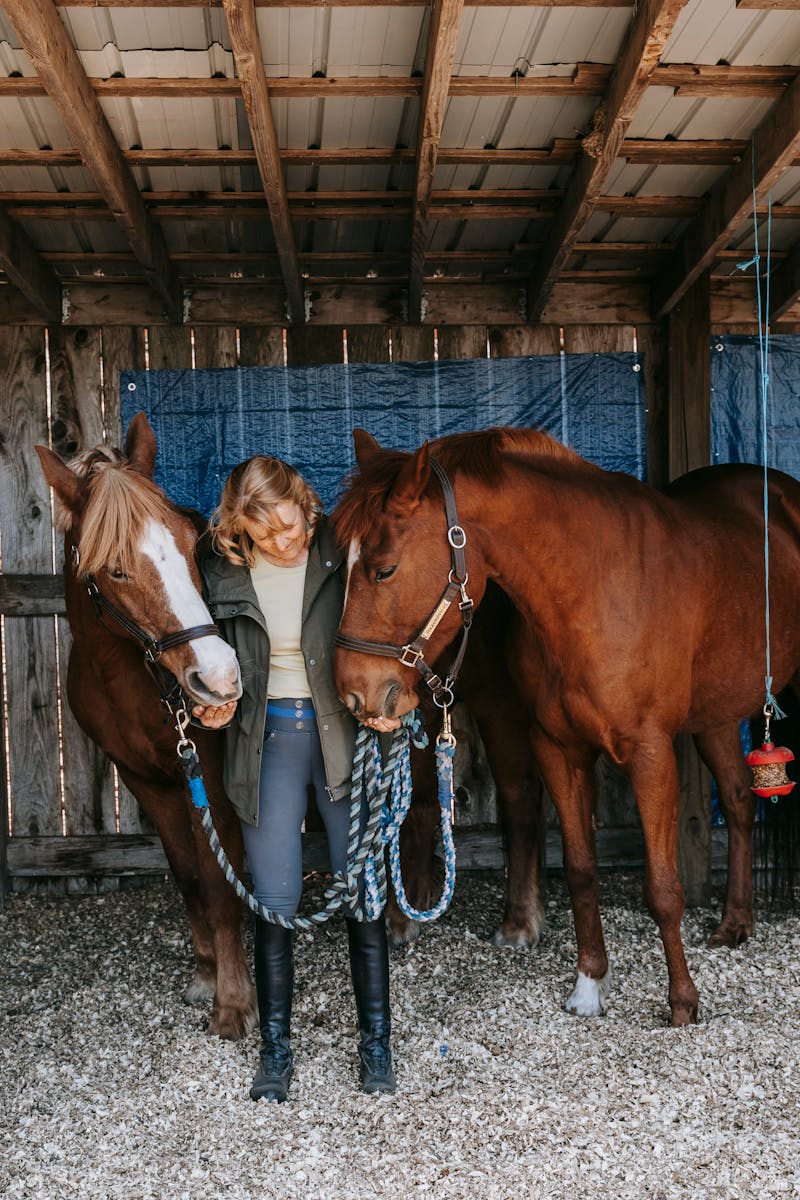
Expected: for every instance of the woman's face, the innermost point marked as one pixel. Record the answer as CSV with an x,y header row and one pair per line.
x,y
285,545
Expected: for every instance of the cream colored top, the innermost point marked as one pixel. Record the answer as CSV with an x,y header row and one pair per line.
x,y
279,591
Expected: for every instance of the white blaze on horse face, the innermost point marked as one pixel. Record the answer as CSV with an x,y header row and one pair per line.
x,y
353,555
588,997
217,665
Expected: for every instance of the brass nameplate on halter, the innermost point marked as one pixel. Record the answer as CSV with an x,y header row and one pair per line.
x,y
434,619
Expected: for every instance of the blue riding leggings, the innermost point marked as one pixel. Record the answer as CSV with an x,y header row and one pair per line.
x,y
291,761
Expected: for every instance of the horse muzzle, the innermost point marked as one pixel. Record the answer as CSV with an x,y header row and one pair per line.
x,y
387,699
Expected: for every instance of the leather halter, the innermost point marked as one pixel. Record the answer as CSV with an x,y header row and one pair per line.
x,y
171,693
412,653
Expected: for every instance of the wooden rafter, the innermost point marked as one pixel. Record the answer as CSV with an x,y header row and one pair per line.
x,y
785,285
45,40
744,4
585,79
27,270
706,152
249,60
456,205
445,22
651,28
774,147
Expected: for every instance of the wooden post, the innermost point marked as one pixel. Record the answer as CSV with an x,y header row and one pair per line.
x,y
689,405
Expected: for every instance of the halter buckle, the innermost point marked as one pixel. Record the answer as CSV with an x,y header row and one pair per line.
x,y
410,657
457,537
152,652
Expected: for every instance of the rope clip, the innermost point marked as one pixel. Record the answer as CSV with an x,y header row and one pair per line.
x,y
186,746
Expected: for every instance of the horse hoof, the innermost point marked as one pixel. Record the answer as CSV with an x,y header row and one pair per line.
x,y
588,998
199,990
517,939
682,1015
404,934
730,935
232,1023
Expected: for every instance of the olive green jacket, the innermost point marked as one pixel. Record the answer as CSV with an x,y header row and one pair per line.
x,y
233,604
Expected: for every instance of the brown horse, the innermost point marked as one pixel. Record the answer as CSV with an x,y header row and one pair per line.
x,y
124,536
487,687
643,615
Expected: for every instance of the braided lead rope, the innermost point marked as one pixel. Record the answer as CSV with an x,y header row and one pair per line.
x,y
343,888
392,818
387,791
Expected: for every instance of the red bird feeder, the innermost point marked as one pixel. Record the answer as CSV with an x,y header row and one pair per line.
x,y
768,765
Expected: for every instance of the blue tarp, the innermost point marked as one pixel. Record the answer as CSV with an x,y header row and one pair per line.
x,y
207,421
736,418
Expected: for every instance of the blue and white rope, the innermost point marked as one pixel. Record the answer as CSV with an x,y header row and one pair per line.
x,y
372,783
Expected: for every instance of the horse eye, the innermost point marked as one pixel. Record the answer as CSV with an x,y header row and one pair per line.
x,y
118,574
384,573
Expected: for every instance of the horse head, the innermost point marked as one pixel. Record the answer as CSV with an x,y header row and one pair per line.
x,y
399,578
130,546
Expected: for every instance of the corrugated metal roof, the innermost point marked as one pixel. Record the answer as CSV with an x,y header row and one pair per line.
x,y
371,42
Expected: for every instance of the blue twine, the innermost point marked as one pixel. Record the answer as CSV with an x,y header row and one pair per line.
x,y
763,362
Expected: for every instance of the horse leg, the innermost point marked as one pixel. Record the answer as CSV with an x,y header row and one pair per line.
x,y
214,920
233,1013
520,805
654,776
574,792
721,751
417,849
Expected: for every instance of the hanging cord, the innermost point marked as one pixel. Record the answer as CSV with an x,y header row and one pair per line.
x,y
771,706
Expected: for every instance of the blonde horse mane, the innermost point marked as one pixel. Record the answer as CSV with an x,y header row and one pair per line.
x,y
119,502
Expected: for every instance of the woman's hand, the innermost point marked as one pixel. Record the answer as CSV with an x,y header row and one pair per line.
x,y
214,716
382,724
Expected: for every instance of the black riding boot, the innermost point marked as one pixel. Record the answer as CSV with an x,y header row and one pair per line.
x,y
369,966
274,971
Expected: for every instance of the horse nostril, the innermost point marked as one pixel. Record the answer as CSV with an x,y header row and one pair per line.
x,y
391,698
355,703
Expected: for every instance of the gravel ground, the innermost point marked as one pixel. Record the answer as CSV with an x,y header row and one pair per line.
x,y
111,1088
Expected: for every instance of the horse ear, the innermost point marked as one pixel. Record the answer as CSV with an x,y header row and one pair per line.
x,y
410,483
366,446
140,445
65,483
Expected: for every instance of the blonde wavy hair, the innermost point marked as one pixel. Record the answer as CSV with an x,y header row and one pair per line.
x,y
250,493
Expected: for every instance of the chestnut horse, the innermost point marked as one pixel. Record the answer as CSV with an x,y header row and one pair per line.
x,y
642,615
487,687
124,537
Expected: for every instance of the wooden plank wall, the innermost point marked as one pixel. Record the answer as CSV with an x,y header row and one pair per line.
x,y
63,389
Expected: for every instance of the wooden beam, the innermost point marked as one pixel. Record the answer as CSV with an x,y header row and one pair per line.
x,y
45,39
773,149
584,79
364,3
445,22
363,206
785,285
249,60
656,151
651,29
116,302
31,595
27,270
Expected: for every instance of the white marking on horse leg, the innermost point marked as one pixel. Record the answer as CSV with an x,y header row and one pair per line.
x,y
588,997
217,664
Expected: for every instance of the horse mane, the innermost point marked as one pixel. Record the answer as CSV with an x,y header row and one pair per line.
x,y
119,502
479,455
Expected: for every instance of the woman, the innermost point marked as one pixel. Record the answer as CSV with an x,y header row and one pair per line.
x,y
275,587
